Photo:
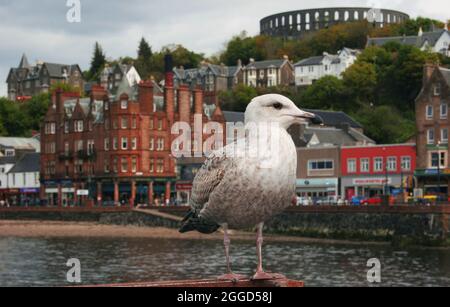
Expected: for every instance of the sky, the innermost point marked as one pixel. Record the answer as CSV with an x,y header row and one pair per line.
x,y
40,29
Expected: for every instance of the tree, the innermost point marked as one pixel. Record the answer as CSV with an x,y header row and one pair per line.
x,y
243,48
14,121
144,60
360,80
238,99
35,110
327,93
97,63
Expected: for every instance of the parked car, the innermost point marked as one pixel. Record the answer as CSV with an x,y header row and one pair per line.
x,y
372,201
357,200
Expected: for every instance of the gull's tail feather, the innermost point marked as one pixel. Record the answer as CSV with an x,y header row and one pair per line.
x,y
193,222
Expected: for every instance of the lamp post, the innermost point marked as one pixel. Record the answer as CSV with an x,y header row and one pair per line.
x,y
386,179
439,169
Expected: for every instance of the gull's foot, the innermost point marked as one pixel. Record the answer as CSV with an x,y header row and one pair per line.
x,y
232,277
267,276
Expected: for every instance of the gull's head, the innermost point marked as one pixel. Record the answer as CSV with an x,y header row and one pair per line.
x,y
274,108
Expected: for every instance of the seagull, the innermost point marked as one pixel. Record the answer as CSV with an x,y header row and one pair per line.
x,y
238,189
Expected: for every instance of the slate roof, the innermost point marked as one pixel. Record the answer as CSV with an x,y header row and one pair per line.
x,y
29,163
414,40
20,143
446,73
234,117
335,119
266,64
315,60
8,160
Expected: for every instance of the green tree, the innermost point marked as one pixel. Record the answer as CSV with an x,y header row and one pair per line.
x,y
238,99
243,48
14,121
360,80
327,93
35,110
97,63
144,59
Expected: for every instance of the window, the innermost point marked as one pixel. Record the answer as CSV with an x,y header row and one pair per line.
x,y
320,165
124,165
365,168
378,165
124,104
160,166
79,145
152,166
134,123
444,135
160,144
392,164
106,165
133,164
66,127
78,126
438,160
430,136
66,148
429,112
115,143
444,110
106,105
106,144
90,147
406,163
152,144
124,143
124,123
115,126
351,165
134,143
437,89
116,164
160,124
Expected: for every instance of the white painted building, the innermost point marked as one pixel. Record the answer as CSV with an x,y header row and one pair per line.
x,y
23,180
435,41
309,70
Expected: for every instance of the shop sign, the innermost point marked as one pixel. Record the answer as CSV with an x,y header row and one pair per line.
x,y
29,191
83,192
371,181
51,191
183,186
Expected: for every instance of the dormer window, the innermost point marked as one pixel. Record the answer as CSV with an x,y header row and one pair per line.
x,y
124,104
437,89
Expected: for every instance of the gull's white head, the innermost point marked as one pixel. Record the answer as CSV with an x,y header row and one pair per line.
x,y
274,108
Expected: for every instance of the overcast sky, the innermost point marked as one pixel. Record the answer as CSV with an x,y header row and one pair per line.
x,y
40,28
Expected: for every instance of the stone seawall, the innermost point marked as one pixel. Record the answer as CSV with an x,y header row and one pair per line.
x,y
416,226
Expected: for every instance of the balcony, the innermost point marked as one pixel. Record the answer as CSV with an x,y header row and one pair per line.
x,y
87,156
66,156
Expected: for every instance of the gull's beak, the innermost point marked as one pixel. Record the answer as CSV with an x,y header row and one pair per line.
x,y
314,118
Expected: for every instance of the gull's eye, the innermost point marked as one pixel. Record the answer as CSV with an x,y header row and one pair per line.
x,y
277,106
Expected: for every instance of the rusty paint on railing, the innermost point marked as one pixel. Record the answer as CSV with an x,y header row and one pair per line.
x,y
210,283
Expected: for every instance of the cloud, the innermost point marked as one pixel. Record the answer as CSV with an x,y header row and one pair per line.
x,y
40,29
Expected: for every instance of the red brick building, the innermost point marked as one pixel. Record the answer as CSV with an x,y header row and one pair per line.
x,y
116,149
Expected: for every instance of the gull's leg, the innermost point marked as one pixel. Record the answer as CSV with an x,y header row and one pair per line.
x,y
260,274
226,242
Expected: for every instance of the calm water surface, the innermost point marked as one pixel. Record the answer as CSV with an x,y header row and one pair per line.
x,y
41,262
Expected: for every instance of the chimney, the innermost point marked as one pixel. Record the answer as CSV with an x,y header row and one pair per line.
x,y
239,63
252,60
420,32
146,97
286,57
184,103
168,69
428,70
98,92
168,90
198,100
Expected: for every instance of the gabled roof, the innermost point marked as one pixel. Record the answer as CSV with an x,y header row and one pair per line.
x,y
266,64
446,74
24,62
315,60
20,143
57,70
234,117
29,163
414,40
336,119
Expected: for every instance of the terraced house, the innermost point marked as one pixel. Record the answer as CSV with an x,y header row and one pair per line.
x,y
432,120
26,81
116,149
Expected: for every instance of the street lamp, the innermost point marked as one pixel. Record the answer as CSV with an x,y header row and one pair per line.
x,y
439,169
386,179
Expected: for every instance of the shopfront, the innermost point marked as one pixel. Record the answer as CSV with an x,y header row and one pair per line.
x,y
374,186
323,189
183,190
